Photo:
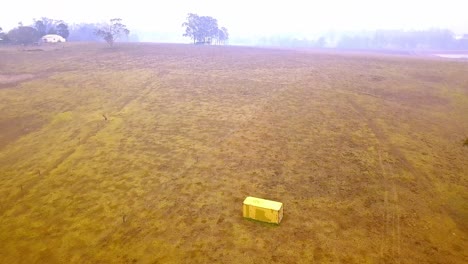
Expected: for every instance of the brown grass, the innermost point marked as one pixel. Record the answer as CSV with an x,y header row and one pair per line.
x,y
363,150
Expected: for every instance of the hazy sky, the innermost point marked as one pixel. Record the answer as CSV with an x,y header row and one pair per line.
x,y
245,18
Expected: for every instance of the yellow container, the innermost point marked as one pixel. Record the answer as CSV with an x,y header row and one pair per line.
x,y
263,210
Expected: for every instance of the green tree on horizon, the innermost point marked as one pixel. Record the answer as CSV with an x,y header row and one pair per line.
x,y
204,29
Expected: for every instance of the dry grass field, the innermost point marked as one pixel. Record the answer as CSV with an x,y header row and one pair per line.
x,y
366,152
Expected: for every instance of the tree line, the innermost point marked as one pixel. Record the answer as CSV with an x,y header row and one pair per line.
x,y
31,34
204,30
436,39
441,39
201,29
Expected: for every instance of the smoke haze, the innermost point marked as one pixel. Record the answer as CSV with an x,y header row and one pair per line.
x,y
249,21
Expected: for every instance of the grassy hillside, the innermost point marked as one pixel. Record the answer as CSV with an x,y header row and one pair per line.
x,y
365,151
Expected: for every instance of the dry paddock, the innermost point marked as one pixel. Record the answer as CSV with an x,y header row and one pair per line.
x,y
143,153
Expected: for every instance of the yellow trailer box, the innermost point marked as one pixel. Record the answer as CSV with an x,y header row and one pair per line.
x,y
263,210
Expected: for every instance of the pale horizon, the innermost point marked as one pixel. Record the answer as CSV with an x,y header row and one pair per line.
x,y
244,19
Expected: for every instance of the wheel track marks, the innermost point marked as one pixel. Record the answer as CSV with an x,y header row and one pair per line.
x,y
390,244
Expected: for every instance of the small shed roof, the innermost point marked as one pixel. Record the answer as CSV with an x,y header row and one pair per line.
x,y
259,202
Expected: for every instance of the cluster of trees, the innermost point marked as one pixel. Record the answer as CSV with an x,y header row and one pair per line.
x,y
22,35
201,29
204,29
46,26
32,33
83,32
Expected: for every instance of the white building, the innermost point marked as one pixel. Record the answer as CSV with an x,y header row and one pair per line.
x,y
52,38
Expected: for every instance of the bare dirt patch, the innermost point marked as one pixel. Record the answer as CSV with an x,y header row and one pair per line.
x,y
8,79
12,129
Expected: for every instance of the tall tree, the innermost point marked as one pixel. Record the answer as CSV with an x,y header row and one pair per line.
x,y
223,35
3,36
40,27
110,33
62,30
192,27
46,25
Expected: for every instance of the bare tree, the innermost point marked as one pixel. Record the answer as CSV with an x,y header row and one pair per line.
x,y
110,33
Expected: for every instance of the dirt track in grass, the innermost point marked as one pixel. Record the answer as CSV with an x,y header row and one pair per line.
x,y
364,150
